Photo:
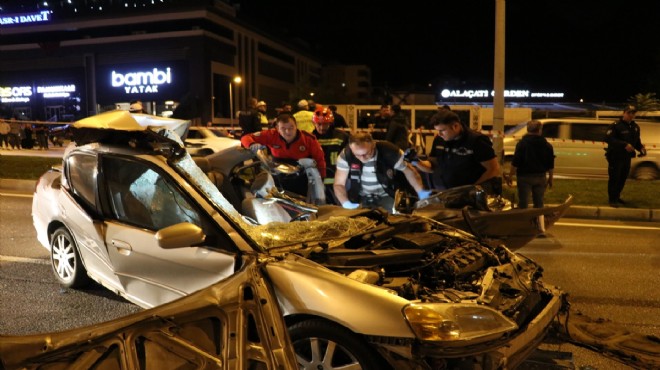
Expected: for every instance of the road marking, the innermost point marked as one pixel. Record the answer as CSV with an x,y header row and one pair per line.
x,y
608,226
39,261
557,253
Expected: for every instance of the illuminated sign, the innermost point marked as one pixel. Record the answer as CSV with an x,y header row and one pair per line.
x,y
25,18
56,91
476,94
23,94
15,94
154,81
141,82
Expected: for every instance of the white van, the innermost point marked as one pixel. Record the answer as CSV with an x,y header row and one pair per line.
x,y
580,148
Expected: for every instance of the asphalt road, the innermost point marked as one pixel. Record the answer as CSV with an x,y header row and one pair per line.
x,y
610,270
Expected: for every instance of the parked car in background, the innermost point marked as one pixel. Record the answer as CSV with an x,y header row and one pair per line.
x,y
580,147
202,141
131,209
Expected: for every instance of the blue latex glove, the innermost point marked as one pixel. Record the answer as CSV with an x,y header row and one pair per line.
x,y
423,194
350,205
255,147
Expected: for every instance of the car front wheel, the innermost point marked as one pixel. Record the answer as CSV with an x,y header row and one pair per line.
x,y
320,344
65,260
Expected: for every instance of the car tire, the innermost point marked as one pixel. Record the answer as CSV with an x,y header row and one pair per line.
x,y
646,172
313,340
65,260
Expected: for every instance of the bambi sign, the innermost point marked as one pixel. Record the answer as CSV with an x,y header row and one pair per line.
x,y
142,82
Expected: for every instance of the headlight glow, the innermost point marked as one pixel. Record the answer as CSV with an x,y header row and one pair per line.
x,y
449,322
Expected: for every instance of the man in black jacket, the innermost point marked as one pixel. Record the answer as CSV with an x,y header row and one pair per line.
x,y
532,159
250,118
623,138
460,156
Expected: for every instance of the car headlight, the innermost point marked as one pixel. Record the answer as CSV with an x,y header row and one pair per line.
x,y
452,322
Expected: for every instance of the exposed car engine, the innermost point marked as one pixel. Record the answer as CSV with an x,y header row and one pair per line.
x,y
438,266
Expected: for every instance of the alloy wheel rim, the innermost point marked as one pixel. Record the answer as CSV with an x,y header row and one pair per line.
x,y
63,257
325,355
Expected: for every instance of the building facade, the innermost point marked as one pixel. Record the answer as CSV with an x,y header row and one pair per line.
x,y
177,57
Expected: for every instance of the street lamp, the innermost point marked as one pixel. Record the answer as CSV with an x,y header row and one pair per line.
x,y
237,80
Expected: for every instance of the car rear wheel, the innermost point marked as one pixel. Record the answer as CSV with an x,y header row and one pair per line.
x,y
320,344
65,260
646,172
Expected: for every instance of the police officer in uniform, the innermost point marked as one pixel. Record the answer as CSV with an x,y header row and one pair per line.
x,y
461,156
623,138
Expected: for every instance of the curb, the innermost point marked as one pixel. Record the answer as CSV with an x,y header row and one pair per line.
x,y
616,214
587,212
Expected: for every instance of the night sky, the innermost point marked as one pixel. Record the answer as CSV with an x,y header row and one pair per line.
x,y
600,51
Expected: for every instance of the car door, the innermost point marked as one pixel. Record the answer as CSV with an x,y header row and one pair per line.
x,y
587,149
142,199
81,213
580,151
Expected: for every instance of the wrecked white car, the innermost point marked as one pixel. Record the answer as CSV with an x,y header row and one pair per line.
x,y
131,210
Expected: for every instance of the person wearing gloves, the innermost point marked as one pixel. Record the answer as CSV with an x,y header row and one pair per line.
x,y
369,172
285,141
460,156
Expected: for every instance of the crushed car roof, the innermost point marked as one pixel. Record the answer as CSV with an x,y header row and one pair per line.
x,y
121,127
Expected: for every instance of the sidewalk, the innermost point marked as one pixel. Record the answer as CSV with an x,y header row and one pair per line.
x,y
26,187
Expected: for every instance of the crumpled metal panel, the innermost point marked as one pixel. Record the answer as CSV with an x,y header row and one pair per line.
x,y
234,324
612,340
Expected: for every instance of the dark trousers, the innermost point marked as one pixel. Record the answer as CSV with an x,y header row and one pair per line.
x,y
42,140
534,184
618,171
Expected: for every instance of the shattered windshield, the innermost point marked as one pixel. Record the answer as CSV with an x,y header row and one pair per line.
x,y
275,234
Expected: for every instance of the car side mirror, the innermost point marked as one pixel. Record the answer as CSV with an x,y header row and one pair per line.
x,y
180,235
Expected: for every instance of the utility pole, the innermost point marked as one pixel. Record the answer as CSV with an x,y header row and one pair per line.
x,y
498,83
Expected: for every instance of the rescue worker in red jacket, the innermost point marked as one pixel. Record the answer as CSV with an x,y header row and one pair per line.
x,y
286,142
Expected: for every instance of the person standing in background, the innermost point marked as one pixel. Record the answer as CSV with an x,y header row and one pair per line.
x,y
4,135
332,142
136,107
340,121
15,134
381,122
262,108
623,138
41,131
532,159
304,117
249,119
398,130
